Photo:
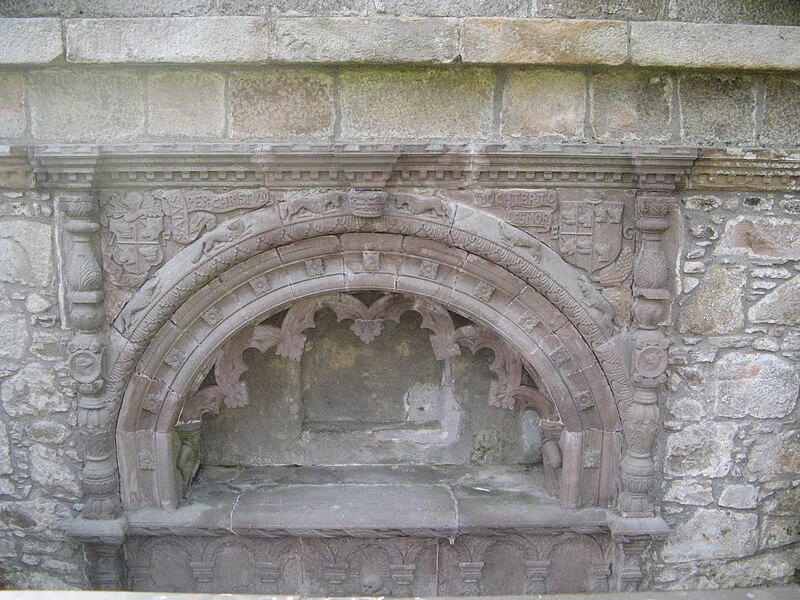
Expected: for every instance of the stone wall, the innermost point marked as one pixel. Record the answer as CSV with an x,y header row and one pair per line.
x,y
731,441
345,104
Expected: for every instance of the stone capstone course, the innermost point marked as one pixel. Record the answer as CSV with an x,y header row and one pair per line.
x,y
176,40
32,391
716,304
662,44
712,534
701,450
412,31
533,41
758,385
42,41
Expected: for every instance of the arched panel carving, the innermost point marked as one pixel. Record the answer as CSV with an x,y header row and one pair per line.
x,y
488,270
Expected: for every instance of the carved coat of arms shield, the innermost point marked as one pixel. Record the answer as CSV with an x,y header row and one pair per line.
x,y
590,232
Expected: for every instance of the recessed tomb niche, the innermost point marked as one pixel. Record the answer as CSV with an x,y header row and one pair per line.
x,y
370,378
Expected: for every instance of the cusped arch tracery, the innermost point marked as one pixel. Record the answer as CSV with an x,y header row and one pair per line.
x,y
466,260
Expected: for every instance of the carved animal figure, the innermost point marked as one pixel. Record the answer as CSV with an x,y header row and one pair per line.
x,y
601,310
221,236
518,239
314,205
138,303
421,206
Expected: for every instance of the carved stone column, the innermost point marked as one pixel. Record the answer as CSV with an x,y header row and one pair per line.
x,y
84,295
650,280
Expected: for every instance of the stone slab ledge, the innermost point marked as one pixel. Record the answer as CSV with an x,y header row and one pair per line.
x,y
398,40
775,593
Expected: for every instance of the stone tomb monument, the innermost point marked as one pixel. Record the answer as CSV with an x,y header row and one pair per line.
x,y
382,370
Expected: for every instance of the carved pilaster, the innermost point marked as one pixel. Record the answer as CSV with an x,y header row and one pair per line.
x,y
84,295
103,540
536,572
650,280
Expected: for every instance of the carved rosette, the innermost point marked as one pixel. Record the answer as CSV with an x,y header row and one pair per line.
x,y
651,296
84,293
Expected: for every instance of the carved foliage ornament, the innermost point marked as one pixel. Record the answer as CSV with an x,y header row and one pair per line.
x,y
506,390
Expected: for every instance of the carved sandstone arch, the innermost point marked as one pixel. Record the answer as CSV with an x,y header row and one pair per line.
x,y
260,263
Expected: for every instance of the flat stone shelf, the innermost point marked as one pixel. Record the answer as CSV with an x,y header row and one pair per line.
x,y
438,501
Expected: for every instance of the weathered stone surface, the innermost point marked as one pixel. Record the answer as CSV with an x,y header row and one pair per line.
x,y
784,503
210,39
777,532
42,41
48,432
416,104
184,8
544,104
761,237
5,451
777,12
281,104
739,496
781,111
625,10
712,534
685,491
25,253
186,103
717,109
12,111
50,470
32,391
544,41
371,40
659,44
456,8
13,335
631,107
35,304
758,385
776,455
716,304
69,106
701,450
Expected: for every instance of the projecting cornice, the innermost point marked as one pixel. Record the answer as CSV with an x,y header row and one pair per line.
x,y
398,40
375,166
360,166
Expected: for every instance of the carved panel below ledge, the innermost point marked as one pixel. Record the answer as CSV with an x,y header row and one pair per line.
x,y
508,564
